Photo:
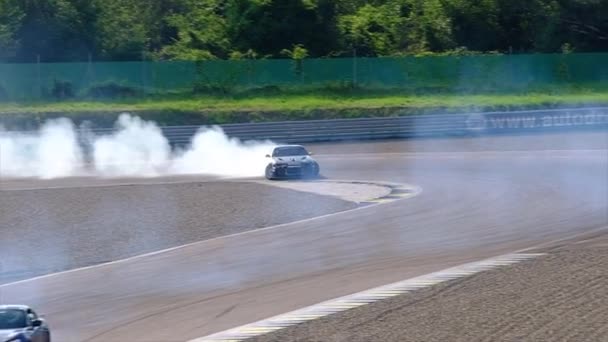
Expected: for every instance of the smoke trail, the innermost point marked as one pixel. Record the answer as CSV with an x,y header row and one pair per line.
x,y
136,149
211,152
50,153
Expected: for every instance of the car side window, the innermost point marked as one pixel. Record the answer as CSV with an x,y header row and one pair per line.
x,y
31,316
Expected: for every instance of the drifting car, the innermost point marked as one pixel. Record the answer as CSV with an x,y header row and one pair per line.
x,y
291,161
19,323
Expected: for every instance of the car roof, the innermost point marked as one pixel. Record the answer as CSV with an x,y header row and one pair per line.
x,y
287,146
14,307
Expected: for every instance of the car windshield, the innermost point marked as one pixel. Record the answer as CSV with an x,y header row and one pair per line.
x,y
12,319
290,151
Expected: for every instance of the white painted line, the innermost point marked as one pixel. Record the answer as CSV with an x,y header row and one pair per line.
x,y
362,298
138,182
414,192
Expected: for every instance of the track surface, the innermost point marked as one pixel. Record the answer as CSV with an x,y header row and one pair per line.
x,y
477,202
80,226
559,297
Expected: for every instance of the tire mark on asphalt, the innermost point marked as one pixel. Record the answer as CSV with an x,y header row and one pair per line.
x,y
185,305
227,311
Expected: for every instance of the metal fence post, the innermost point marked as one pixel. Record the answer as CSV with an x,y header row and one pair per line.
x,y
90,79
38,77
354,68
143,73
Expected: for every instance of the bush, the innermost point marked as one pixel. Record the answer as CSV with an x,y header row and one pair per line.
x,y
62,90
112,90
340,87
269,90
210,89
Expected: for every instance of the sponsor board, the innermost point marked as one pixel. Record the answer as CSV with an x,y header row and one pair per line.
x,y
535,120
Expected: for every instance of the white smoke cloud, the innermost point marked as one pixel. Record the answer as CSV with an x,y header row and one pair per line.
x,y
49,153
211,152
137,149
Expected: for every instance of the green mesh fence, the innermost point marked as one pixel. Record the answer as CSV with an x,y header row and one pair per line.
x,y
475,73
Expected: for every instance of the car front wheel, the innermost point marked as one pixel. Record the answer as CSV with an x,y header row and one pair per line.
x,y
269,172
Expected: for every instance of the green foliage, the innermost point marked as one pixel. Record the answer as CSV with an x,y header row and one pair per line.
x,y
270,26
11,16
428,27
249,54
74,30
284,105
55,30
298,52
567,48
201,32
372,30
122,30
583,24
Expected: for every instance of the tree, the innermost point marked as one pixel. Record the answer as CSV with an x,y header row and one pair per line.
x,y
426,26
527,25
201,32
71,30
122,31
155,14
270,26
11,15
55,30
475,23
583,24
372,30
397,26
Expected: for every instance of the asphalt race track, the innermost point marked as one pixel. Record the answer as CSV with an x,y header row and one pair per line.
x,y
481,197
81,226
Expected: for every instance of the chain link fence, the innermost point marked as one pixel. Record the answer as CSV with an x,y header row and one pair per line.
x,y
496,73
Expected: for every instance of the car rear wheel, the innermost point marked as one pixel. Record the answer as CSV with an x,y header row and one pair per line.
x,y
316,171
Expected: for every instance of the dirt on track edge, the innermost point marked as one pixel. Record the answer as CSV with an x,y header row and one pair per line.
x,y
560,296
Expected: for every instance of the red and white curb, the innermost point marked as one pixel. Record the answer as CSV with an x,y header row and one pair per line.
x,y
363,298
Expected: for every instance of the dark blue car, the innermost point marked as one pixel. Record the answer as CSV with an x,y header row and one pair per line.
x,y
19,323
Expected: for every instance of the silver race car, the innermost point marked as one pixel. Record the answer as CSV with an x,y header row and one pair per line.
x,y
19,323
291,161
